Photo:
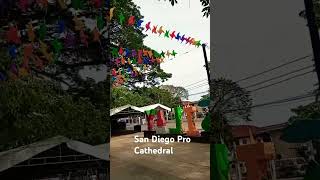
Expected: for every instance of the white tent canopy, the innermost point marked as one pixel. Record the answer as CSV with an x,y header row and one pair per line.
x,y
127,109
154,106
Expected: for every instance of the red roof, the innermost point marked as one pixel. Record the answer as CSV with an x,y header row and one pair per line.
x,y
243,130
240,131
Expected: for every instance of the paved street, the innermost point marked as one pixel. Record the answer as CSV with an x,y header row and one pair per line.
x,y
189,162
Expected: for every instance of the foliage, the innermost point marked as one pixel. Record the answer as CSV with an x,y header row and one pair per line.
x,y
316,5
310,111
205,4
33,109
142,97
122,96
72,60
132,38
205,97
229,103
229,99
179,92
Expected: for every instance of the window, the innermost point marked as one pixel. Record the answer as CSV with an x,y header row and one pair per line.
x,y
244,141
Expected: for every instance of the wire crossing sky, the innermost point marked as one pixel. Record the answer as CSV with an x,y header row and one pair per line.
x,y
253,36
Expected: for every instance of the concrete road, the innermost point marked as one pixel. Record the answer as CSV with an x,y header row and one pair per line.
x,y
190,161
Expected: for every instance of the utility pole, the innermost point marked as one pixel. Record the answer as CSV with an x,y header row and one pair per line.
x,y
314,35
206,62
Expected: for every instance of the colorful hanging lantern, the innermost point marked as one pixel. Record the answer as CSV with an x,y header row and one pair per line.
x,y
13,35
30,32
131,21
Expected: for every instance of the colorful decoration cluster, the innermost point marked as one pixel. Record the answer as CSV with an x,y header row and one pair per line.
x,y
35,44
129,58
154,29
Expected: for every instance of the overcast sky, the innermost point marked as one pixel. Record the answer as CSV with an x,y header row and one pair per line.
x,y
186,18
250,36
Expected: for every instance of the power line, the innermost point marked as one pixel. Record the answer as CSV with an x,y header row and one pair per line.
x,y
195,87
199,93
261,73
274,68
308,95
261,82
292,101
298,75
280,101
196,82
280,76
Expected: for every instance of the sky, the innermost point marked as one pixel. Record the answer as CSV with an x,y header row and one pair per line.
x,y
185,17
250,36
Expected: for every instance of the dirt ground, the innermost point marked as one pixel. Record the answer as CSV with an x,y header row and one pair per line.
x,y
190,161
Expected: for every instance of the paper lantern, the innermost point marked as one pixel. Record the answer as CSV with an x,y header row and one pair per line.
x,y
188,40
166,34
84,38
173,35
61,26
14,69
140,57
111,13
178,37
182,38
162,54
146,60
198,43
114,52
160,31
131,21
114,72
127,51
70,40
191,41
173,53
27,53
121,51
13,35
42,31
121,18
154,30
30,32
133,53
57,46
79,24
13,51
145,52
96,35
134,61
168,54
38,63
118,61
123,61
156,54
139,23
148,26
44,51
100,22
